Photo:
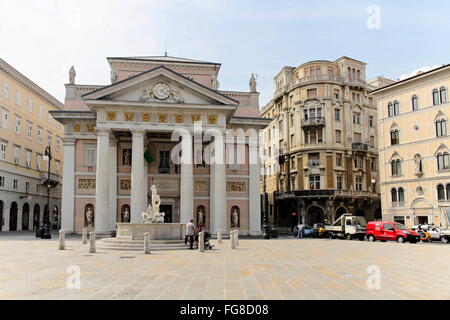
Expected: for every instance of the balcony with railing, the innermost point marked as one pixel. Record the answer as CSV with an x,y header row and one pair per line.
x,y
314,163
313,122
360,146
355,81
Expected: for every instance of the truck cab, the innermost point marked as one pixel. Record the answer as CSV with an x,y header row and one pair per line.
x,y
348,227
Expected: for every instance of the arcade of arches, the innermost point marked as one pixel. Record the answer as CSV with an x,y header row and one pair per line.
x,y
288,212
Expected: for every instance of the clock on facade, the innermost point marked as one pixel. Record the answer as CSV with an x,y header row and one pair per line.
x,y
161,91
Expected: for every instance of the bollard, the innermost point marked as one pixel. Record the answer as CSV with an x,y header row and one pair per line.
x,y
237,238
201,242
147,243
232,239
219,236
92,242
84,237
62,240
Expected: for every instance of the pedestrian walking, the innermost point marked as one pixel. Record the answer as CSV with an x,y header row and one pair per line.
x,y
190,232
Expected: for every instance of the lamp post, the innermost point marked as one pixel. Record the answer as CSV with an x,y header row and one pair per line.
x,y
266,226
46,222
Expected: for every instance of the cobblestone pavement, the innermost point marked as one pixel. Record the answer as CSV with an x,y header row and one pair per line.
x,y
32,268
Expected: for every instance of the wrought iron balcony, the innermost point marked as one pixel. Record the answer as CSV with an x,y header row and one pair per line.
x,y
313,121
360,146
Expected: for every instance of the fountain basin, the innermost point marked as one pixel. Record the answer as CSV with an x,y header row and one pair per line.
x,y
157,231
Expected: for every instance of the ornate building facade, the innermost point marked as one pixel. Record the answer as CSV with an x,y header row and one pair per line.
x,y
321,145
414,148
119,141
26,129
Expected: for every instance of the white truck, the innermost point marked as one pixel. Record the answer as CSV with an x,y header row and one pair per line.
x,y
347,227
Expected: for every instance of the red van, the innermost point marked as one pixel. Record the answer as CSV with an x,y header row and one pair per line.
x,y
393,231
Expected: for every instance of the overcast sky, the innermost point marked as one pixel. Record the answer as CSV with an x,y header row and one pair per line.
x,y
42,39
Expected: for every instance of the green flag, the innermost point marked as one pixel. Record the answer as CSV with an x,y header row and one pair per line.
x,y
148,157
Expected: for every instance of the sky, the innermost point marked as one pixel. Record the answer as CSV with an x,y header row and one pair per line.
x,y
42,39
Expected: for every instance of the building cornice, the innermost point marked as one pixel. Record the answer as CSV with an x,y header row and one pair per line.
x,y
19,77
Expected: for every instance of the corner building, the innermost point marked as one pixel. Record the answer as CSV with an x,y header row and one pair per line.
x,y
321,156
118,143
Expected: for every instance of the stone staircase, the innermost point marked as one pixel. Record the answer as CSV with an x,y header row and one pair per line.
x,y
126,244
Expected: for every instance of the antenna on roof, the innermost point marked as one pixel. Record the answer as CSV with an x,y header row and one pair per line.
x,y
165,49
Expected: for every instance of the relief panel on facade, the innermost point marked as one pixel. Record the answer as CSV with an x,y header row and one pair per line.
x,y
125,184
201,186
86,184
236,186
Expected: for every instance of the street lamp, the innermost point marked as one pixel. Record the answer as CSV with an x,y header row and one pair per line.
x,y
46,222
266,226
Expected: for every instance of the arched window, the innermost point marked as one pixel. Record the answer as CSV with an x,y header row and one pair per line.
x,y
435,97
440,192
441,127
394,195
390,109
443,161
395,137
443,95
396,108
396,167
447,191
401,195
415,103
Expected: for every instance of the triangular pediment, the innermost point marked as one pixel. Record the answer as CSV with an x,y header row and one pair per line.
x,y
160,85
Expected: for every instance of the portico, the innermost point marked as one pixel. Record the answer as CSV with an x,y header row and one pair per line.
x,y
163,126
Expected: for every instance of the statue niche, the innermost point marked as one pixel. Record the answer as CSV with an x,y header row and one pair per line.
x,y
89,218
201,215
235,217
125,214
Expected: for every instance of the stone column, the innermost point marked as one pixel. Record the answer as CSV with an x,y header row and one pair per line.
x,y
138,178
102,183
254,190
19,218
68,186
187,181
5,217
218,208
112,184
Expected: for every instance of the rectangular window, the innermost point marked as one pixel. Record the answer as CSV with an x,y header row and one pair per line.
x,y
338,136
336,93
5,90
339,184
314,182
38,161
337,114
39,134
29,130
3,148
17,125
28,158
357,137
2,182
359,162
30,105
4,119
16,154
90,154
359,184
27,186
164,162
372,141
371,123
57,167
19,98
49,138
15,184
58,144
356,118
338,159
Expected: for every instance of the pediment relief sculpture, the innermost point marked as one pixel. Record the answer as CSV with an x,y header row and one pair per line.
x,y
161,92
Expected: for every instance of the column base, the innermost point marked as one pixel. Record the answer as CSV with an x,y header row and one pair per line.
x,y
257,233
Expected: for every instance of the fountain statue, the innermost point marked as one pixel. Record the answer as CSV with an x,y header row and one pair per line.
x,y
152,215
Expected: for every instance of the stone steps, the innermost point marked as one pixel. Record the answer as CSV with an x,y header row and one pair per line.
x,y
126,244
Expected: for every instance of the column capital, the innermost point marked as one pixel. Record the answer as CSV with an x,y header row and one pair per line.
x,y
103,132
68,141
138,132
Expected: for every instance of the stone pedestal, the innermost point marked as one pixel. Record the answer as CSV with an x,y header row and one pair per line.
x,y
157,231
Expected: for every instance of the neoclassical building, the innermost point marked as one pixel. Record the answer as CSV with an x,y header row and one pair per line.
x,y
122,138
26,130
321,158
414,148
